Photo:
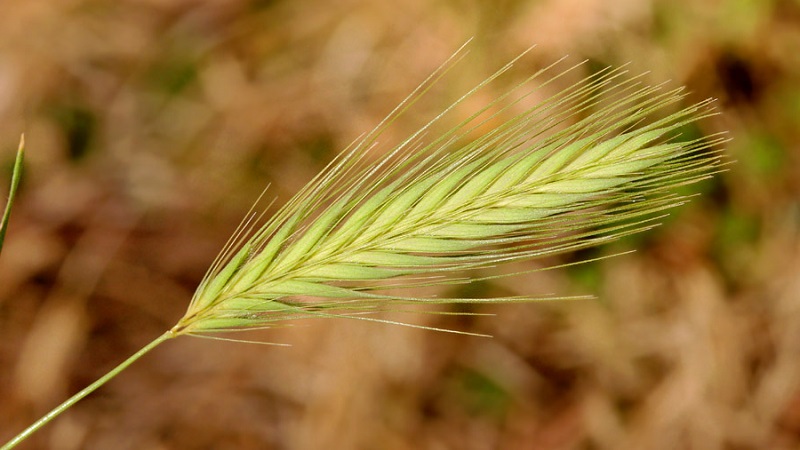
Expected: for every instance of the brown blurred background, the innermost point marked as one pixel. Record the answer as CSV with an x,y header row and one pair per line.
x,y
152,126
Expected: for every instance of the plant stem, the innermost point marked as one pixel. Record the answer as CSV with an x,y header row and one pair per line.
x,y
86,391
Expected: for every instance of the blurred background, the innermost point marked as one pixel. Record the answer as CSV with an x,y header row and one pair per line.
x,y
152,126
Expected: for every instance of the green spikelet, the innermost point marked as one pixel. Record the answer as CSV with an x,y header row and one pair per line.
x,y
534,185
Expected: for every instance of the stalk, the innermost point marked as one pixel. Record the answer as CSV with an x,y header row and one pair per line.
x,y
86,391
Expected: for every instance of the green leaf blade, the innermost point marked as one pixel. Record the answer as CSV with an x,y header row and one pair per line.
x,y
16,176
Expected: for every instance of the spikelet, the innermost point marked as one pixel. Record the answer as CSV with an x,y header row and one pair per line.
x,y
535,185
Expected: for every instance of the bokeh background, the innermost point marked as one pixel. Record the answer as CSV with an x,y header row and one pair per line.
x,y
152,126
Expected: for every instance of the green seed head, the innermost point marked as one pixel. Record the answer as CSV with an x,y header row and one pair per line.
x,y
534,185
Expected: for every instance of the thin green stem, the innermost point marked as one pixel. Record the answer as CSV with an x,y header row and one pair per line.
x,y
86,391
15,177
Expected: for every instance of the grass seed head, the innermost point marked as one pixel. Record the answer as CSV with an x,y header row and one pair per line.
x,y
536,184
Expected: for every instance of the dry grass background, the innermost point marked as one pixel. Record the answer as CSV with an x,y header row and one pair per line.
x,y
153,124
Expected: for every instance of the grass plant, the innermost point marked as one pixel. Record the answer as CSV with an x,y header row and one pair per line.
x,y
594,162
